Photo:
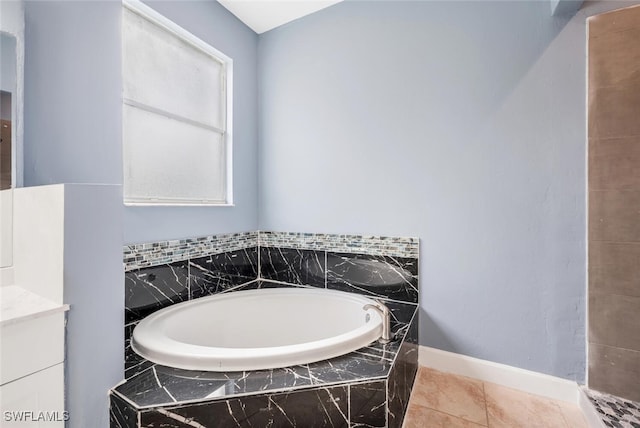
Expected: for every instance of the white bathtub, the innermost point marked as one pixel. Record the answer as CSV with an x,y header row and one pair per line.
x,y
257,329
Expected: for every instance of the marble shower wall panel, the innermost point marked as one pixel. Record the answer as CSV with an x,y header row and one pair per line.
x,y
318,407
153,288
294,266
220,272
376,276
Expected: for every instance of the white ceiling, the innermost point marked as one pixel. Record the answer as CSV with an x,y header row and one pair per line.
x,y
263,15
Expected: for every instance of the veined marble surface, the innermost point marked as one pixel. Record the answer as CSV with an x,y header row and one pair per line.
x,y
18,304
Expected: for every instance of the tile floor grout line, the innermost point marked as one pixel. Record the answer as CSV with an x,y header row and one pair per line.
x,y
449,414
486,407
564,418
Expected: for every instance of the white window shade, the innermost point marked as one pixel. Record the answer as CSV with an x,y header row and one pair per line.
x,y
175,122
175,160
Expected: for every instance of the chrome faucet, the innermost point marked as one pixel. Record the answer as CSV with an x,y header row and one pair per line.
x,y
386,320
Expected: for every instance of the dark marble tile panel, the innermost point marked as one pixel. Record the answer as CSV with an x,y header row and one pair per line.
x,y
133,363
379,350
260,284
276,379
351,367
318,407
304,267
187,385
121,413
367,405
219,272
162,385
149,289
401,314
375,276
145,389
401,379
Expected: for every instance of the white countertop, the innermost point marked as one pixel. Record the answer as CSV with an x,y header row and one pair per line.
x,y
18,304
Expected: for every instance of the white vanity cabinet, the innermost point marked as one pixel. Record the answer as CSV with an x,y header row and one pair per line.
x,y
31,359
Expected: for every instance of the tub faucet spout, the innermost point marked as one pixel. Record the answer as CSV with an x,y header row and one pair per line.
x,y
386,320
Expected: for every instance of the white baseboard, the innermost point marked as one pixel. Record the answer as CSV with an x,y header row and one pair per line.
x,y
588,411
501,374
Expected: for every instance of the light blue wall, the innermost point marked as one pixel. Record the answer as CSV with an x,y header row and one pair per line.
x,y
462,123
93,287
73,108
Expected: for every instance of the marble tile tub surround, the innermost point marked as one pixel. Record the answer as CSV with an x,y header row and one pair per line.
x,y
158,275
375,381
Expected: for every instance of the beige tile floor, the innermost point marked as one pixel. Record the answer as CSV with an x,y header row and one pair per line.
x,y
445,400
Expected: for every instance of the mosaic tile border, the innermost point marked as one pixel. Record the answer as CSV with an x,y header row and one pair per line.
x,y
615,411
360,244
136,256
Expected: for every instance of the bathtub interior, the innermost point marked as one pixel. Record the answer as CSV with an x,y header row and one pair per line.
x,y
296,318
286,326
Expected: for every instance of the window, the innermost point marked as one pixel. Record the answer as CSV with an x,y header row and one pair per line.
x,y
176,114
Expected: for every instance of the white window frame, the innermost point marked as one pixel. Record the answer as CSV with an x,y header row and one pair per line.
x,y
171,27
